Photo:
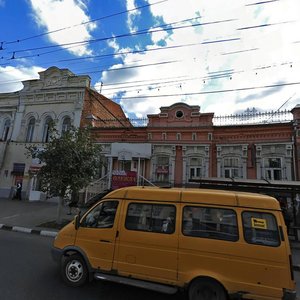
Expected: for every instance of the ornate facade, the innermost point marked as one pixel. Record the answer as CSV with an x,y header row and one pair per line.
x,y
187,146
58,97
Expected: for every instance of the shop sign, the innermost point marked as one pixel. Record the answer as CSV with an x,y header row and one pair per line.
x,y
34,169
259,223
162,170
121,179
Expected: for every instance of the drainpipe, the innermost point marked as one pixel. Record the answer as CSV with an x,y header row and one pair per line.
x,y
139,171
110,159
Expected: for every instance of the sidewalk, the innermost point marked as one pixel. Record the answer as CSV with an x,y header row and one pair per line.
x,y
29,217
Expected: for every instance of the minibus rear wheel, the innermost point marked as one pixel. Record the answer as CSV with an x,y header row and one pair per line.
x,y
74,271
206,289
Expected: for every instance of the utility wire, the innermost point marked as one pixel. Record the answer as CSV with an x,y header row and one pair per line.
x,y
213,92
102,56
262,2
144,31
211,75
84,23
264,25
141,32
135,33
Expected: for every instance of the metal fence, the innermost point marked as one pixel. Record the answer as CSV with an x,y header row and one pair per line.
x,y
246,118
254,117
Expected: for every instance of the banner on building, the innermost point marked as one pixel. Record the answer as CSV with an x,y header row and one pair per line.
x,y
121,179
162,170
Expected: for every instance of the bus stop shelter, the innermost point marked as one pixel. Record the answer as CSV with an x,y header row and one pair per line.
x,y
287,192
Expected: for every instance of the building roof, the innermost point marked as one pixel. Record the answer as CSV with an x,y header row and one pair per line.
x,y
102,112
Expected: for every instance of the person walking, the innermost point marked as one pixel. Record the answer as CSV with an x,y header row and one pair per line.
x,y
19,191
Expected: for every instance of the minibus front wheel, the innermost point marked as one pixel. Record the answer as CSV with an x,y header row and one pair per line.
x,y
74,271
206,289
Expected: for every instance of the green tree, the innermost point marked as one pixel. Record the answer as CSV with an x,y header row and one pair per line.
x,y
69,163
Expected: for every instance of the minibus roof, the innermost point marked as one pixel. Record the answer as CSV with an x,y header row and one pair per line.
x,y
197,196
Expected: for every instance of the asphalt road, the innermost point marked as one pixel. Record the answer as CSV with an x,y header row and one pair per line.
x,y
27,272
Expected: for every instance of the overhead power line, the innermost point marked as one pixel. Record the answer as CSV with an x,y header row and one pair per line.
x,y
83,23
262,2
135,33
227,73
264,25
102,56
213,92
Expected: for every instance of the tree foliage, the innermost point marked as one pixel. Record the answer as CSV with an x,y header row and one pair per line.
x,y
69,161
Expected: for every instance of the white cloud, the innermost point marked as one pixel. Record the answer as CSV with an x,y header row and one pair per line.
x,y
11,77
2,3
158,36
56,14
260,57
132,15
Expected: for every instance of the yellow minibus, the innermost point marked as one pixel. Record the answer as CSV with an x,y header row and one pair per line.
x,y
213,244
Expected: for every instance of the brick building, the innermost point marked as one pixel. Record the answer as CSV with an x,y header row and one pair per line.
x,y
181,144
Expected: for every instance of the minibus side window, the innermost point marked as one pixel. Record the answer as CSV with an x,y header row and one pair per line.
x,y
151,217
102,216
260,228
210,222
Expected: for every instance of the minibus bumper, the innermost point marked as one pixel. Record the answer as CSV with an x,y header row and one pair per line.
x,y
289,294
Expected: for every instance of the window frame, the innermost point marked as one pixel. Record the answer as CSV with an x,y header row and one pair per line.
x,y
150,229
66,125
270,171
259,243
195,164
231,165
162,169
6,127
30,130
213,235
101,205
46,130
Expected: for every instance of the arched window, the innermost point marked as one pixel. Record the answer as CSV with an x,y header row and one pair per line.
x,y
66,125
46,129
30,130
5,130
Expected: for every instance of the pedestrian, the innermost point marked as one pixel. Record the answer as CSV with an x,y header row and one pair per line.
x,y
19,191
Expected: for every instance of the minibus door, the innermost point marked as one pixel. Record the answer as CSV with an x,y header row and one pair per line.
x,y
147,247
97,232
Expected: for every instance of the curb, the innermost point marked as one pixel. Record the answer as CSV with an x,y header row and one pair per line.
x,y
29,230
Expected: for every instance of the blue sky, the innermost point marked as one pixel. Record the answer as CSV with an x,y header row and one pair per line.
x,y
224,55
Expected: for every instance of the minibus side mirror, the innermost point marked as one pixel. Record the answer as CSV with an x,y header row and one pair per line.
x,y
77,221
